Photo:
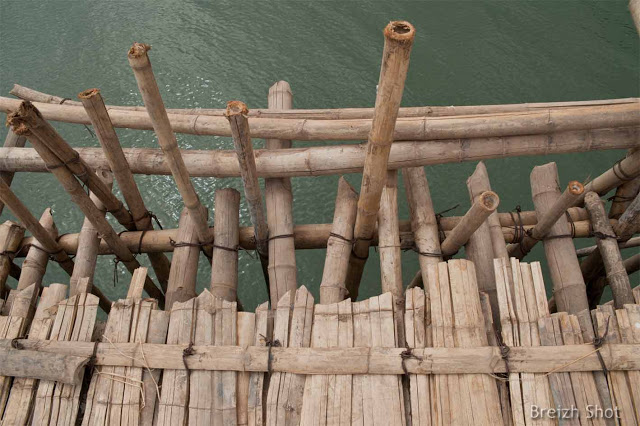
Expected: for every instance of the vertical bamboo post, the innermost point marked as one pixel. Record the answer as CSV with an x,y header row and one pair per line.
x,y
88,242
389,239
141,66
11,141
10,236
332,286
279,203
608,246
35,263
568,285
622,171
568,198
246,325
399,37
224,263
237,115
97,112
184,263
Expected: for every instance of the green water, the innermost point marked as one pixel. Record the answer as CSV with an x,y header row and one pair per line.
x,y
206,53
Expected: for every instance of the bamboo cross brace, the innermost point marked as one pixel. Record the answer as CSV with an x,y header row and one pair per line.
x,y
141,66
35,264
97,112
10,235
624,170
237,116
596,287
11,141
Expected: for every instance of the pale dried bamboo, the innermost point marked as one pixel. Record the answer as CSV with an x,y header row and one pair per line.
x,y
596,288
224,263
29,94
341,159
283,272
634,8
332,286
624,170
625,193
236,114
97,112
631,243
389,239
184,263
424,128
568,198
246,325
568,285
399,37
10,235
608,246
157,116
11,141
480,210
629,222
35,263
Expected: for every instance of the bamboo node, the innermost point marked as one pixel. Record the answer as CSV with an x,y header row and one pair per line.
x,y
138,50
401,31
236,108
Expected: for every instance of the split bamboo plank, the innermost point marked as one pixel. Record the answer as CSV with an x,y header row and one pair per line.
x,y
224,263
10,235
389,239
628,223
279,205
628,319
255,408
332,287
399,37
35,263
184,263
11,141
246,335
634,8
418,335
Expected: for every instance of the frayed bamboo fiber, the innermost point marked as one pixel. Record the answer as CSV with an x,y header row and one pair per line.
x,y
339,243
634,8
29,94
11,141
389,240
88,243
631,243
424,128
568,285
224,263
480,210
236,114
97,112
608,246
341,159
157,115
184,263
35,263
568,198
399,37
10,235
279,203
596,287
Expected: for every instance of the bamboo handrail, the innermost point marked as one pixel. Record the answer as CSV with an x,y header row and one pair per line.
x,y
11,141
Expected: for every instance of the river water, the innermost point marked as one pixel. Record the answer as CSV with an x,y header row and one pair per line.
x,y
206,53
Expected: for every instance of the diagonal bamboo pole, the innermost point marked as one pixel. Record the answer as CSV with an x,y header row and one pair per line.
x,y
399,37
594,291
237,116
184,263
139,61
35,263
97,112
624,170
11,141
631,243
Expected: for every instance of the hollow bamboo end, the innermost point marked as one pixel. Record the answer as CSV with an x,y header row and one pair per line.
x,y
489,200
401,31
575,187
138,50
25,117
89,93
236,108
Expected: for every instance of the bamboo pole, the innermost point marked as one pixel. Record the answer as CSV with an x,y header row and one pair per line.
x,y
625,193
342,159
596,288
32,95
568,285
246,326
568,198
399,37
283,272
11,141
157,116
35,263
10,235
236,114
389,240
339,243
634,8
424,128
631,243
88,242
224,263
480,210
624,170
184,263
629,222
608,246
97,112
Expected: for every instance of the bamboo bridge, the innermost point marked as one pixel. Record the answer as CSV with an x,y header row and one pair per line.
x,y
470,341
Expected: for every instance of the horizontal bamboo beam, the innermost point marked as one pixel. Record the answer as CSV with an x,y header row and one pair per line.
x,y
42,365
356,360
342,159
422,128
29,94
586,251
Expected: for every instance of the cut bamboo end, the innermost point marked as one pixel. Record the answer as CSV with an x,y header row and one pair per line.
x,y
575,187
138,50
236,108
23,118
89,93
401,31
489,200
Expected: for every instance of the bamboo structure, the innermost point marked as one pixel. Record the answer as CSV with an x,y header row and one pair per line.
x,y
389,238
279,203
634,8
224,263
624,170
10,235
631,243
399,37
97,112
595,290
236,114
141,66
184,263
629,222
11,141
35,263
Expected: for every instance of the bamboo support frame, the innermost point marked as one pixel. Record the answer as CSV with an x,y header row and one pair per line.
x,y
596,287
11,141
35,263
624,170
236,114
631,243
94,106
629,222
399,37
224,263
184,263
10,235
568,198
389,240
141,66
